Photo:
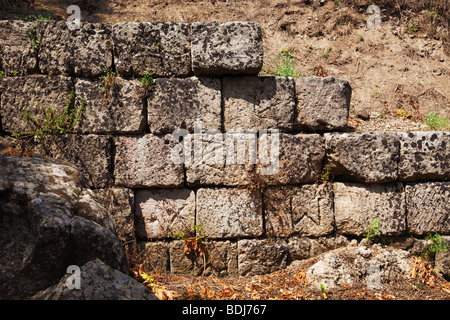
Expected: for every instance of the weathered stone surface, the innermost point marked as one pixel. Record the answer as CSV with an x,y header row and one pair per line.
x,y
221,259
17,52
162,213
256,257
226,48
355,205
374,265
90,153
214,159
424,156
116,109
428,207
161,49
306,210
35,94
98,282
298,160
155,256
145,161
322,103
119,202
442,261
177,103
301,248
253,103
49,221
85,52
229,213
369,157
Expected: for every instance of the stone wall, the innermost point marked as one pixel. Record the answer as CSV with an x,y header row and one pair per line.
x,y
330,182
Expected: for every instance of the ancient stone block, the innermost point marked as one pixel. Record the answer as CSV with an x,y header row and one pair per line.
x,y
424,156
428,207
178,103
355,205
163,213
17,52
35,94
322,103
155,256
363,156
161,49
90,153
229,213
226,48
118,108
306,210
145,161
256,257
289,159
253,103
85,52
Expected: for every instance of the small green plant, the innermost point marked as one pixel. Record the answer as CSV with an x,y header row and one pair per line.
x,y
361,37
147,79
31,30
376,95
437,244
107,80
436,121
325,53
285,65
324,292
431,14
53,123
413,27
2,74
372,231
403,114
337,2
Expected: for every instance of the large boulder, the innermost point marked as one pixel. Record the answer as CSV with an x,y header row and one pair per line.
x,y
98,281
48,221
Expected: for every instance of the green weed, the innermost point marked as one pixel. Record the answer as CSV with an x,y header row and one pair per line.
x,y
436,121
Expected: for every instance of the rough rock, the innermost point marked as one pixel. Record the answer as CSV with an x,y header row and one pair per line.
x,y
428,207
17,52
424,156
306,210
352,265
254,103
98,281
442,261
301,248
355,205
177,103
112,109
163,213
145,161
369,157
298,159
220,259
48,221
228,48
155,255
85,52
322,103
258,257
90,153
36,94
161,49
229,213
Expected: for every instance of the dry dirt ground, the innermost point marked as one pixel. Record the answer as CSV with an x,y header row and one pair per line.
x,y
404,65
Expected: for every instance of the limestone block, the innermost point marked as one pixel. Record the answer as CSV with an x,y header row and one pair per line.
x,y
35,94
258,257
178,103
228,48
229,213
322,103
253,103
289,159
163,213
161,49
428,207
424,156
369,157
17,51
306,210
145,161
355,205
155,256
90,153
85,52
116,109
